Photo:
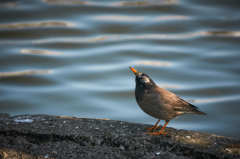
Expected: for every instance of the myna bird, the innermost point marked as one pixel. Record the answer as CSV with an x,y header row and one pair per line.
x,y
158,102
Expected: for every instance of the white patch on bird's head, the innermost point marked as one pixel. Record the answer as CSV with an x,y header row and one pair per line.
x,y
145,79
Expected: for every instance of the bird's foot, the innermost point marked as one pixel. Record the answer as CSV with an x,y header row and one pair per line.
x,y
153,128
157,133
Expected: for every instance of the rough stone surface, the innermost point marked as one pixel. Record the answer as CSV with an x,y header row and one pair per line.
x,y
44,136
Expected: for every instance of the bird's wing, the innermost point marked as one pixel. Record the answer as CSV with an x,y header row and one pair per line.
x,y
183,106
178,104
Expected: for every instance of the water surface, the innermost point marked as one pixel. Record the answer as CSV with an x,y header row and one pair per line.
x,y
71,57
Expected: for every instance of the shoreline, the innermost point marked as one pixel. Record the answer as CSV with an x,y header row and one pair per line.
x,y
47,136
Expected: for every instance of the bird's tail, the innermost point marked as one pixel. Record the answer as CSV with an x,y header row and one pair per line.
x,y
199,112
195,110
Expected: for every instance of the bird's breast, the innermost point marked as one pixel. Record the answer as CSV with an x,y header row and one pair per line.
x,y
152,103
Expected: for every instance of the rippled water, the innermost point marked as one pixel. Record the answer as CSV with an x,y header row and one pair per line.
x,y
71,57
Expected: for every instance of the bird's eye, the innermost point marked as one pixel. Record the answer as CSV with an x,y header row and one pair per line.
x,y
145,79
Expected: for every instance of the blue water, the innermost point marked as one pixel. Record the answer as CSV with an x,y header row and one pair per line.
x,y
71,57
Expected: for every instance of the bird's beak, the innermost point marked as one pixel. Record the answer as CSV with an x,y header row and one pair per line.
x,y
134,71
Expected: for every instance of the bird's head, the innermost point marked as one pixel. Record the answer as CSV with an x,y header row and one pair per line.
x,y
142,79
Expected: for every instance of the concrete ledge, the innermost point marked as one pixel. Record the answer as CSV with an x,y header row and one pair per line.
x,y
44,136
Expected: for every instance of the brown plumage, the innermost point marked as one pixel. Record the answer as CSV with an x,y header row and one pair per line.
x,y
158,102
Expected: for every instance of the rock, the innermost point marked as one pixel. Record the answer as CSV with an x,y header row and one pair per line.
x,y
44,136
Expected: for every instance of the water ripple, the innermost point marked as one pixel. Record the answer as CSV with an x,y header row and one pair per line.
x,y
41,24
144,3
67,2
153,63
216,100
39,52
111,4
224,33
137,18
119,38
23,73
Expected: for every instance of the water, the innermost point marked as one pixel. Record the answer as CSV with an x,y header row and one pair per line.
x,y
71,57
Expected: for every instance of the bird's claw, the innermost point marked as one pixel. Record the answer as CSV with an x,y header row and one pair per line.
x,y
153,128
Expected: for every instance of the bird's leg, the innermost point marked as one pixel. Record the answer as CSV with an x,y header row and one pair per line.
x,y
155,126
161,132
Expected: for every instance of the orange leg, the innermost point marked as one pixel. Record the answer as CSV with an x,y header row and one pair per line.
x,y
154,127
161,132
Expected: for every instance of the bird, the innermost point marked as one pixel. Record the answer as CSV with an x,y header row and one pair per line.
x,y
159,102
